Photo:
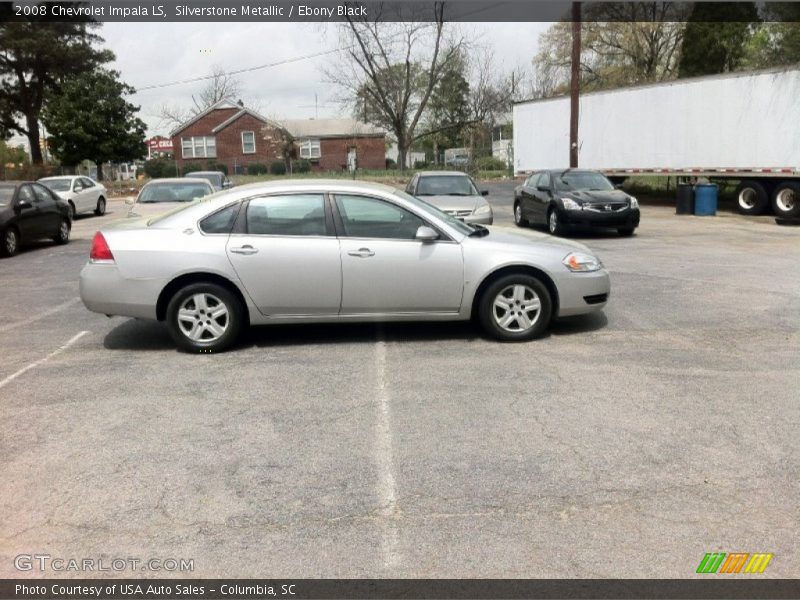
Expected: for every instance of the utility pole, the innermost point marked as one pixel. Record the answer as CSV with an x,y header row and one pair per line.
x,y
575,85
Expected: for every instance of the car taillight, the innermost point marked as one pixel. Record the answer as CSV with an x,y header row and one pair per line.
x,y
100,251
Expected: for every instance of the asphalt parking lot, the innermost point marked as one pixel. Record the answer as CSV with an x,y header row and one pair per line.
x,y
624,444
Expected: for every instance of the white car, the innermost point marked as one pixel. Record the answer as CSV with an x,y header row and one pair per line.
x,y
162,195
81,193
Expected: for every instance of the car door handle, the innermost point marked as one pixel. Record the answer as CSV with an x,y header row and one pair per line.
x,y
362,253
246,250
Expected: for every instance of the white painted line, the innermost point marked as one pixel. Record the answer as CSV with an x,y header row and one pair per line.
x,y
387,491
41,315
35,364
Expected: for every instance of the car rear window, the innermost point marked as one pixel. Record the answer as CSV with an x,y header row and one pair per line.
x,y
221,221
173,192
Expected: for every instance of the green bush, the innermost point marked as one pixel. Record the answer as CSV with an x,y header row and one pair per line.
x,y
218,167
301,166
277,167
490,163
420,164
191,168
390,164
169,170
257,169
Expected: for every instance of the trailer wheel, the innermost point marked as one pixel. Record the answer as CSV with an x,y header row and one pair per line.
x,y
786,200
752,198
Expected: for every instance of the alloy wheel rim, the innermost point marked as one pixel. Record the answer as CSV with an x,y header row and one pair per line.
x,y
11,242
203,317
785,200
63,231
516,308
553,222
102,206
518,213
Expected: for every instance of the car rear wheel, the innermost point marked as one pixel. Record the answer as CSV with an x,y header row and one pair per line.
x,y
554,224
515,308
204,317
62,235
518,218
101,207
10,245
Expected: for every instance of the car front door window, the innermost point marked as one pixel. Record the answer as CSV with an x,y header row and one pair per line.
x,y
364,217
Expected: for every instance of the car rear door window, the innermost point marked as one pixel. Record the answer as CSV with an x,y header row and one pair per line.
x,y
373,218
221,221
294,214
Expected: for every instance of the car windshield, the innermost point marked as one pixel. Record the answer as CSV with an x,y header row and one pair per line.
x,y
456,224
173,192
446,185
6,194
58,185
573,182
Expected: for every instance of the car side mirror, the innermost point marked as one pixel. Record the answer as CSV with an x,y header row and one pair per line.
x,y
618,186
426,234
226,184
484,192
542,188
23,204
130,201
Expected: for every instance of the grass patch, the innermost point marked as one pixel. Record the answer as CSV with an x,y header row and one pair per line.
x,y
387,176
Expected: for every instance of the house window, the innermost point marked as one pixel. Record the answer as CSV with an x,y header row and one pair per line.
x,y
248,142
199,147
309,148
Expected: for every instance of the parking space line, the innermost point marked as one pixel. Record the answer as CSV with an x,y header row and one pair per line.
x,y
36,363
41,315
387,491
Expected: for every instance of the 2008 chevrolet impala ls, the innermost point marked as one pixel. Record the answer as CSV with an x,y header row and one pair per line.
x,y
323,251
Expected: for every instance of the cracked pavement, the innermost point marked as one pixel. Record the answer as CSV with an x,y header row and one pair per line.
x,y
665,427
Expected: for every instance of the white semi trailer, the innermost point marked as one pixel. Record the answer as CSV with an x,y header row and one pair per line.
x,y
738,126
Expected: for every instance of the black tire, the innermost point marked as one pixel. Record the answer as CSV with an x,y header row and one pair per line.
x,y
10,242
752,198
786,200
519,220
554,223
491,315
100,210
72,211
207,340
626,231
62,235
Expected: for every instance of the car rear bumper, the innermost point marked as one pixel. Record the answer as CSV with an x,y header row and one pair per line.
x,y
104,290
592,218
581,293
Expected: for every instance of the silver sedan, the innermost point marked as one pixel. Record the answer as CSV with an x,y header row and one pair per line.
x,y
331,251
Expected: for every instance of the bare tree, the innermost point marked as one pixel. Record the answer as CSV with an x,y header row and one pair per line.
x,y
220,85
391,68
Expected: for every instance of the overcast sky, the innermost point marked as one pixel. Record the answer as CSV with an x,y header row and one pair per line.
x,y
156,53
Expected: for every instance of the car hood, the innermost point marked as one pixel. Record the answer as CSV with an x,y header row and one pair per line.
x,y
511,239
454,202
596,197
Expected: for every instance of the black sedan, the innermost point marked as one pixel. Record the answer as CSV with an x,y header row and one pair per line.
x,y
562,199
29,211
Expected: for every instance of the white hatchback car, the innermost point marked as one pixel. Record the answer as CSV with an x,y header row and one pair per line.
x,y
81,193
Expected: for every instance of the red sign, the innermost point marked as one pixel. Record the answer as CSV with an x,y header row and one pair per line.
x,y
160,144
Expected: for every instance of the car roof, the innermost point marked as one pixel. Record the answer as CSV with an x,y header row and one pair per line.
x,y
178,180
60,177
203,173
435,173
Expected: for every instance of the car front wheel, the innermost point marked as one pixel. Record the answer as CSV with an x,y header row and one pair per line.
x,y
204,317
516,308
10,245
554,224
518,218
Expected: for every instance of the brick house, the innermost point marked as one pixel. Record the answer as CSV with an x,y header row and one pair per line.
x,y
227,133
332,144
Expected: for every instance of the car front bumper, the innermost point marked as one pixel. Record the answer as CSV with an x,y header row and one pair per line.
x,y
581,293
486,219
595,218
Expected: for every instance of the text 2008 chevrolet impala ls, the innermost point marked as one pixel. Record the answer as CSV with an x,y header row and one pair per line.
x,y
330,251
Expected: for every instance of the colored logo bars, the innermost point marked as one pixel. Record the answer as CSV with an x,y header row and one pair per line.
x,y
720,562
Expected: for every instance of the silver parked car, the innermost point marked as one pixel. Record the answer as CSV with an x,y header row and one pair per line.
x,y
331,251
81,193
162,195
453,192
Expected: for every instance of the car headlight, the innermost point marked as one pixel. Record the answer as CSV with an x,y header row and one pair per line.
x,y
582,262
634,202
483,209
570,204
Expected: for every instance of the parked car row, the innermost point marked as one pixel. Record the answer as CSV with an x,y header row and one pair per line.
x,y
29,211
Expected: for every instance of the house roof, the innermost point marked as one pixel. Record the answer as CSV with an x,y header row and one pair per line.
x,y
330,128
226,103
